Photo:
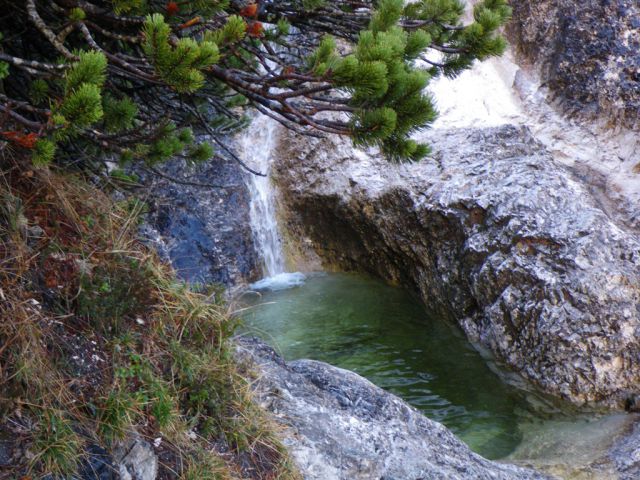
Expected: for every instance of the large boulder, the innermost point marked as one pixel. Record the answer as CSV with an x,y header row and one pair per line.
x,y
492,234
587,51
339,426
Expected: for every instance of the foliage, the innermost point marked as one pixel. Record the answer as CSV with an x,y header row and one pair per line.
x,y
179,65
144,69
56,443
103,342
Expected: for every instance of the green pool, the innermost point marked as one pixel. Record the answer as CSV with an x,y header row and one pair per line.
x,y
385,335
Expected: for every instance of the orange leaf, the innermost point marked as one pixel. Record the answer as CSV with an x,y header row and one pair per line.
x,y
25,141
28,141
172,8
250,10
255,29
11,135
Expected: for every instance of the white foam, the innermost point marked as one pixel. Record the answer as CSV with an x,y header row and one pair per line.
x,y
281,281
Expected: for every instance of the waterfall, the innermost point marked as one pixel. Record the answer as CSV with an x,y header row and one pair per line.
x,y
257,146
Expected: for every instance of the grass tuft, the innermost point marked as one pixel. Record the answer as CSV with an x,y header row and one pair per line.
x,y
56,445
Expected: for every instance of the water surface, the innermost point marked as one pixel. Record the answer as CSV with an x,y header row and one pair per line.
x,y
385,335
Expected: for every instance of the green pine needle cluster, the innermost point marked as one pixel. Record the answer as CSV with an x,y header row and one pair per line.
x,y
38,91
83,106
312,4
210,53
90,69
233,31
201,152
4,70
206,7
43,152
171,142
129,6
477,40
80,106
386,89
180,66
77,14
119,114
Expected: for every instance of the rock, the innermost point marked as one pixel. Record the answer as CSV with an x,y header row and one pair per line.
x,y
492,234
204,231
626,455
98,465
136,460
342,427
6,451
587,51
588,446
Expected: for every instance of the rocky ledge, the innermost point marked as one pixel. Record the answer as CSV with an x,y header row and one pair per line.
x,y
340,426
587,51
492,234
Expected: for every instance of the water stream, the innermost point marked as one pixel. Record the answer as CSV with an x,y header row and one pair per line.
x,y
256,146
384,334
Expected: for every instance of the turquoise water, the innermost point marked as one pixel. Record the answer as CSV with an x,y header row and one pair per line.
x,y
385,335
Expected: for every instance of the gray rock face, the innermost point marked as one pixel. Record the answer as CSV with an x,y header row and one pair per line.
x,y
342,427
587,51
493,235
625,455
204,231
136,460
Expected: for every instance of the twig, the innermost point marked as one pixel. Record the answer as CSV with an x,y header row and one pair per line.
x,y
184,182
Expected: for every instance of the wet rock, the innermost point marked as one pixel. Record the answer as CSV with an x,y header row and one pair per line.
x,y
587,51
626,455
136,460
492,234
203,230
342,427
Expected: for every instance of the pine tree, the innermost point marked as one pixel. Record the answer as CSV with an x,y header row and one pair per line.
x,y
131,76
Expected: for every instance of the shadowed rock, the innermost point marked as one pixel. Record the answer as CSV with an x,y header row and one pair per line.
x,y
204,231
587,51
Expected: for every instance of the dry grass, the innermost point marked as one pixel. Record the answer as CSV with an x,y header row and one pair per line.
x,y
98,340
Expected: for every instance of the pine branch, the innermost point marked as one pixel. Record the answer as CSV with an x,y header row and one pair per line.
x,y
47,32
